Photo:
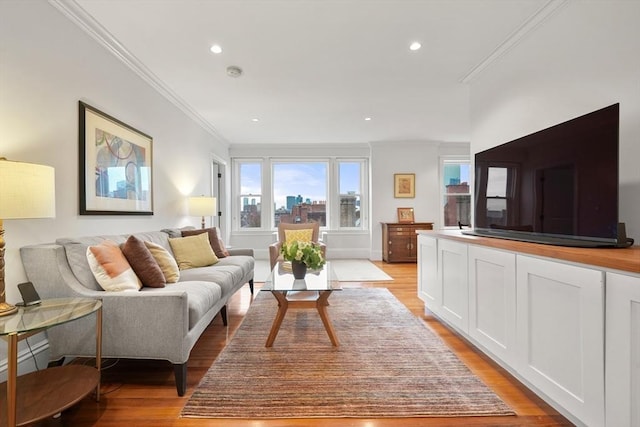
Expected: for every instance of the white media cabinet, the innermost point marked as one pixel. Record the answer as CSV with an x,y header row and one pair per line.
x,y
564,321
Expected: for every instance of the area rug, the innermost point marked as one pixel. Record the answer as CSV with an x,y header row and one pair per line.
x,y
389,364
358,270
347,270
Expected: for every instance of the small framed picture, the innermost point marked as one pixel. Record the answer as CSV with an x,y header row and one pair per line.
x,y
405,215
404,185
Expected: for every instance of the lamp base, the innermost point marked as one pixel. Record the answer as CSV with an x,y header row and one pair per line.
x,y
7,309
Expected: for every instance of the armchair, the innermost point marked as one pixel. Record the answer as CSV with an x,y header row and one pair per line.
x,y
290,229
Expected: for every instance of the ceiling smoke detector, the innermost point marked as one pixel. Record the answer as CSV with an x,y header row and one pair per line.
x,y
234,71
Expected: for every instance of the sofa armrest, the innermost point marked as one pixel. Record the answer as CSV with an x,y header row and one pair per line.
x,y
134,321
240,251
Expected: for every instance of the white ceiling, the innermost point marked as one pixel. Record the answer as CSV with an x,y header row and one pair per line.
x,y
313,70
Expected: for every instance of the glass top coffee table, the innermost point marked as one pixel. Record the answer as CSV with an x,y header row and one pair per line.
x,y
311,292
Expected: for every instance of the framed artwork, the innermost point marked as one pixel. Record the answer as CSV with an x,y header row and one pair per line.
x,y
404,185
405,215
116,170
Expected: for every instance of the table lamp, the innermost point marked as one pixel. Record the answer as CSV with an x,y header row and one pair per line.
x,y
202,206
27,190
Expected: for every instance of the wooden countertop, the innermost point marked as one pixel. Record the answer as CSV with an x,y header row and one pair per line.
x,y
625,259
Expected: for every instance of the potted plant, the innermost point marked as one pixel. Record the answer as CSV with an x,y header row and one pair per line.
x,y
302,255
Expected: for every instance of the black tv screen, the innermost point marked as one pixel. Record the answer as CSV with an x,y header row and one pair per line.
x,y
556,186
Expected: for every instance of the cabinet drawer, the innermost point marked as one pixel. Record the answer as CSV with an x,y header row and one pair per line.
x,y
402,232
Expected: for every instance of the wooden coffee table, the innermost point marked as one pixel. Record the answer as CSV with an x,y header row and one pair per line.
x,y
311,292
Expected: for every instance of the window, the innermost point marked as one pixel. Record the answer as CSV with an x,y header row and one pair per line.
x,y
300,192
250,200
327,190
456,194
350,183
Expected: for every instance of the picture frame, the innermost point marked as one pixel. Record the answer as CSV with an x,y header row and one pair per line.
x,y
405,215
404,185
115,167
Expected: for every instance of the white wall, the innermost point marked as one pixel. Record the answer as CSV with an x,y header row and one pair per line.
x,y
421,158
47,65
585,57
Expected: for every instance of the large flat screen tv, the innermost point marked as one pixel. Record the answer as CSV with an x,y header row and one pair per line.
x,y
556,186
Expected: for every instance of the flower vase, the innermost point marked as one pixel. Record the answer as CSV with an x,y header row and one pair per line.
x,y
299,269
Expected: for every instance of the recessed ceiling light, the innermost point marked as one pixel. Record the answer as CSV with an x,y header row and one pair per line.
x,y
255,120
216,48
415,46
367,119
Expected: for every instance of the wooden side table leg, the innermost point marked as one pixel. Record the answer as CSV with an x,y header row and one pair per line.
x,y
99,351
12,378
283,305
321,305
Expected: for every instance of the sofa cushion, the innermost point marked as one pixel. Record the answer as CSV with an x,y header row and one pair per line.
x,y
111,269
77,259
201,297
143,263
246,263
227,277
193,251
214,240
175,232
166,261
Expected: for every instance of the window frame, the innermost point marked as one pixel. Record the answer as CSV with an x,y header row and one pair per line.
x,y
447,160
364,215
268,207
237,195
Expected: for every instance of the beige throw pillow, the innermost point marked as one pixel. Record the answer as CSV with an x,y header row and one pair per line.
x,y
111,269
166,261
193,251
214,240
303,235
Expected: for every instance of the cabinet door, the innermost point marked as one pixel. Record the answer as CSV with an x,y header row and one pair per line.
x,y
623,350
560,334
492,301
401,247
429,289
452,275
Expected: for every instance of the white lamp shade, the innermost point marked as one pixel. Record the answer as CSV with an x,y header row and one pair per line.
x,y
202,206
27,190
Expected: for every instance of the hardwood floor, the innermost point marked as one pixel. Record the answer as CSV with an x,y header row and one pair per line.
x,y
142,393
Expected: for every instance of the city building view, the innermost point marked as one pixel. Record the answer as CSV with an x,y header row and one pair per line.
x,y
302,210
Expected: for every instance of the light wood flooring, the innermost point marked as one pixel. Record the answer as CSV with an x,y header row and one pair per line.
x,y
142,393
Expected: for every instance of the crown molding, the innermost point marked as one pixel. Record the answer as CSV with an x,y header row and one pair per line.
x,y
542,14
76,14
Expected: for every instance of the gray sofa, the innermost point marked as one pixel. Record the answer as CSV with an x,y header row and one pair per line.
x,y
154,323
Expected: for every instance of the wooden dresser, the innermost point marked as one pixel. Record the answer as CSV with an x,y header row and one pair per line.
x,y
400,241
